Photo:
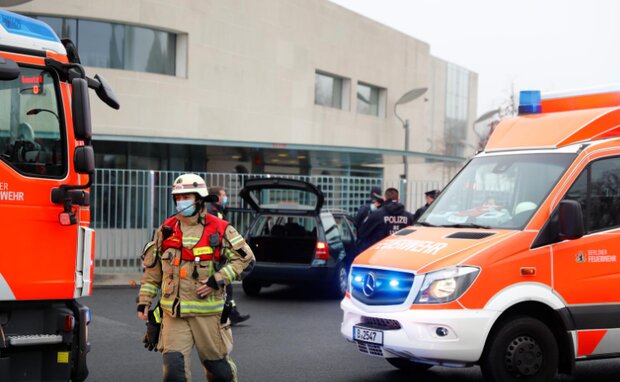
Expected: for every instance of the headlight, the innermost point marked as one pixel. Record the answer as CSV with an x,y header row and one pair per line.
x,y
446,285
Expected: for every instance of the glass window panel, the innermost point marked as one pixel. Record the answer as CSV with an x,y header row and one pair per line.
x,y
118,46
457,114
328,90
367,99
579,192
149,50
332,234
500,191
64,27
30,130
101,44
605,194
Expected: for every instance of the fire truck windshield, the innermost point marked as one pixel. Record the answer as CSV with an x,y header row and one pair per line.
x,y
499,191
32,140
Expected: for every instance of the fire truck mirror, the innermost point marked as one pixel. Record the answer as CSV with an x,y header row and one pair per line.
x,y
105,93
81,110
571,220
8,69
84,160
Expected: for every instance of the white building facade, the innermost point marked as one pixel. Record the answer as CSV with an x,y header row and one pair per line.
x,y
269,86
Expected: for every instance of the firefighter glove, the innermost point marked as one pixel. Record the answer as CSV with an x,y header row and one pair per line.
x,y
153,325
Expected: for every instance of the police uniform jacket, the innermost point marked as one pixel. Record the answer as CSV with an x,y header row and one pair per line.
x,y
387,220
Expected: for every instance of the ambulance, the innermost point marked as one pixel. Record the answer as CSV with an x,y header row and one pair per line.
x,y
515,266
46,169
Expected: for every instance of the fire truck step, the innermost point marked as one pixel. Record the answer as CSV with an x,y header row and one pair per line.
x,y
35,339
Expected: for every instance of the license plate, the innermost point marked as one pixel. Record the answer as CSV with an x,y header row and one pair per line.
x,y
367,335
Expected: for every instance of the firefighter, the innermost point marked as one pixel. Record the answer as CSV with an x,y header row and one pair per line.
x,y
192,258
218,208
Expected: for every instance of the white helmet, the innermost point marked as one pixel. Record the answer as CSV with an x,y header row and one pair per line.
x,y
524,206
190,184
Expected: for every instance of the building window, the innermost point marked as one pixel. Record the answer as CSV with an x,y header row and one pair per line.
x,y
457,110
330,90
118,46
101,44
370,99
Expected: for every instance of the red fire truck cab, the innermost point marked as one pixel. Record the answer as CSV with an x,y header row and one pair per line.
x,y
46,168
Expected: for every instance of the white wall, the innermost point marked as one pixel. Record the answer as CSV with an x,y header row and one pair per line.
x,y
250,73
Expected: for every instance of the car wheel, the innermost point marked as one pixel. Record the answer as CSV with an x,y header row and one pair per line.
x,y
251,288
408,366
520,349
337,287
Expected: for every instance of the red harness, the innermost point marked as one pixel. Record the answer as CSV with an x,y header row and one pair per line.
x,y
207,248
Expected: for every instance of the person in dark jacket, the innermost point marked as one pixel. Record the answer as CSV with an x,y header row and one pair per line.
x,y
375,202
219,209
387,220
430,198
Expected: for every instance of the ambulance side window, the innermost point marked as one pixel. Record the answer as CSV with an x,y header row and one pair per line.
x,y
597,189
604,194
579,193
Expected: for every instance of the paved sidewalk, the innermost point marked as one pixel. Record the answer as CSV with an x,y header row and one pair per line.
x,y
116,280
111,280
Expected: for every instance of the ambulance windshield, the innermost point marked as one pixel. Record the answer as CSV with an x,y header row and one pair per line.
x,y
500,191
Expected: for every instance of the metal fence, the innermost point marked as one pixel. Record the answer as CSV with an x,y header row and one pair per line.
x,y
127,205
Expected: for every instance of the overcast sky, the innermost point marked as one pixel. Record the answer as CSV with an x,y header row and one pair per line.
x,y
551,45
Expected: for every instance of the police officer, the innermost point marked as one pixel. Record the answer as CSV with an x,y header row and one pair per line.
x,y
218,208
193,256
375,202
430,197
387,220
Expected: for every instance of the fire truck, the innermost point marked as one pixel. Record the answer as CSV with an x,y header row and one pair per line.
x,y
46,169
515,266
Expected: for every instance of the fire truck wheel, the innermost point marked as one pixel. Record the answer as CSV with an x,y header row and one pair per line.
x,y
520,349
251,288
408,366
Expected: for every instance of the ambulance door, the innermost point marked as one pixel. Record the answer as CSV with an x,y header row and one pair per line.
x,y
587,270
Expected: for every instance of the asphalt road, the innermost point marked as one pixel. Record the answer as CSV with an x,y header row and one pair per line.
x,y
292,336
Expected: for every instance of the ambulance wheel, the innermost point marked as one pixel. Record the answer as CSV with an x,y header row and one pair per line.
x,y
251,288
337,287
408,366
520,349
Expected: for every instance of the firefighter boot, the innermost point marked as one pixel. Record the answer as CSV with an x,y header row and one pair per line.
x,y
236,317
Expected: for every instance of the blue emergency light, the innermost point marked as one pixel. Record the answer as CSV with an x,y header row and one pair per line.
x,y
25,26
529,102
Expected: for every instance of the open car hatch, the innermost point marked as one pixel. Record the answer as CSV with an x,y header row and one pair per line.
x,y
266,195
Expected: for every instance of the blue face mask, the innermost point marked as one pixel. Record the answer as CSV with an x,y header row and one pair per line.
x,y
224,201
373,207
186,207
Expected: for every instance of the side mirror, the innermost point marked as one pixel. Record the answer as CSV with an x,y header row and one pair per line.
x,y
105,93
8,69
84,160
81,110
571,220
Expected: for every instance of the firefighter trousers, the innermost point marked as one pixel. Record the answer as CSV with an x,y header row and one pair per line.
x,y
213,342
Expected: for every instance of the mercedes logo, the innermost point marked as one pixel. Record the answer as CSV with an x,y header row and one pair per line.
x,y
369,284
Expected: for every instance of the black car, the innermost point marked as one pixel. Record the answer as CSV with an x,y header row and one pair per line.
x,y
294,240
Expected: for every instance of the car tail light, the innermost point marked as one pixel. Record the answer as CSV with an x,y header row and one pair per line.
x,y
69,323
322,251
